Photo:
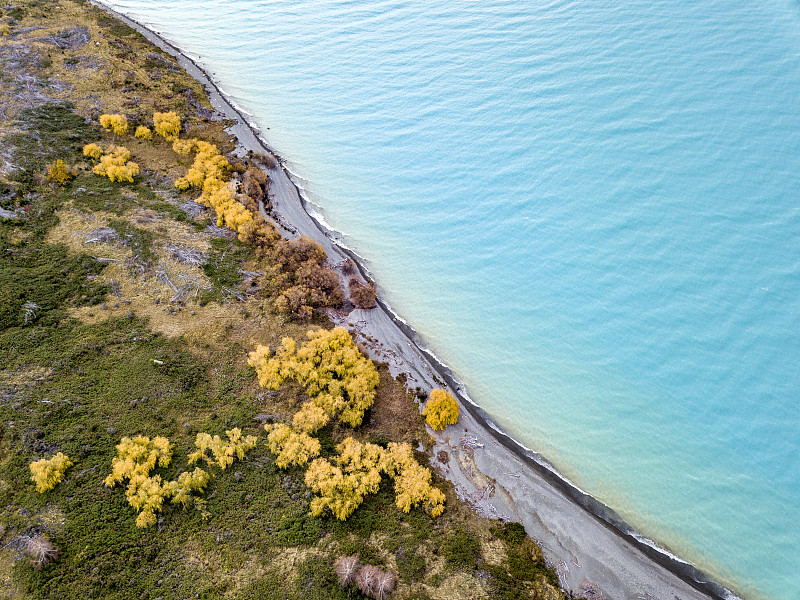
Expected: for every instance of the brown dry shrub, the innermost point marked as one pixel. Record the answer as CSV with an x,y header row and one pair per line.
x,y
267,160
346,568
322,282
290,254
348,267
375,582
367,580
40,550
301,279
363,296
294,301
250,204
254,183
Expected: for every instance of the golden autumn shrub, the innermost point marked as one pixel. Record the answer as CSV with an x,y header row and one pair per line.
x,y
116,123
223,454
146,495
209,173
356,472
136,457
412,481
343,487
113,162
184,147
93,151
441,409
167,124
310,418
59,173
143,133
291,447
340,493
338,378
47,473
181,491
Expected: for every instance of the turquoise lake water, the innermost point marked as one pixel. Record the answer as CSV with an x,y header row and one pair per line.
x,y
589,210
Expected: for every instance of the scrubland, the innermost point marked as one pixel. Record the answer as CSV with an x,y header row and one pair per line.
x,y
135,306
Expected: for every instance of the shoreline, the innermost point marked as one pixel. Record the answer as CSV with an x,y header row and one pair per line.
x,y
589,545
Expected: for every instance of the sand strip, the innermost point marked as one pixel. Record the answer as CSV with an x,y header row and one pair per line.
x,y
595,554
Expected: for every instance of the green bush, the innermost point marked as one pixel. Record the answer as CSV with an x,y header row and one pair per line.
x,y
460,548
44,276
511,533
410,564
298,530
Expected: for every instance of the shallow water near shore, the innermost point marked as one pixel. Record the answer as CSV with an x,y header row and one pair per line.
x,y
589,210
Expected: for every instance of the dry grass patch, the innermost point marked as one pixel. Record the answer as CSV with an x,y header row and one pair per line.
x,y
459,585
395,412
493,551
212,566
53,519
9,588
288,560
24,378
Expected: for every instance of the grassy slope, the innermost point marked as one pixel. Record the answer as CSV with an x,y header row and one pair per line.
x,y
81,373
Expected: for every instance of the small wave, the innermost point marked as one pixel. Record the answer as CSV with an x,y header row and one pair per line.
x,y
319,218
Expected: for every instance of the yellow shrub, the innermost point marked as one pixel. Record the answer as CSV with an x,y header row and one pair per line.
x,y
223,452
135,459
187,483
167,125
291,447
337,491
310,418
182,184
138,456
146,495
337,377
143,133
48,473
412,481
209,172
184,147
93,151
441,409
342,488
58,172
113,162
116,123
5,30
